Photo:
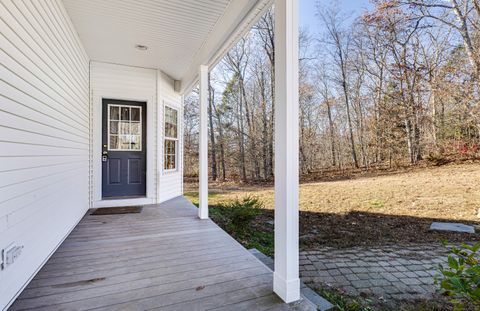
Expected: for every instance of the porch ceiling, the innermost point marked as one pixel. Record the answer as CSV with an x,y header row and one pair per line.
x,y
175,31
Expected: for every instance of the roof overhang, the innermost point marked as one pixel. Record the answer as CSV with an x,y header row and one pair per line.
x,y
180,35
229,30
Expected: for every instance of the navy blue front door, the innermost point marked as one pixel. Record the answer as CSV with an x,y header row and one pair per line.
x,y
124,149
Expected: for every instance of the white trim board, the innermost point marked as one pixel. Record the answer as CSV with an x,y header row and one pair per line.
x,y
123,202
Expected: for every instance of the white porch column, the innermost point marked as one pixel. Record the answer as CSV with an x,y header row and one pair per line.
x,y
203,145
286,282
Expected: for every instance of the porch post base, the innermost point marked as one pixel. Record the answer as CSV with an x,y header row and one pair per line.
x,y
203,213
289,290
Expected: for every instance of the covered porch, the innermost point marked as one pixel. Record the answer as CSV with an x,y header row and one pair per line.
x,y
162,258
68,67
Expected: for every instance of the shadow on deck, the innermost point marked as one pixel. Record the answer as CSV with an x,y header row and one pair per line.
x,y
162,258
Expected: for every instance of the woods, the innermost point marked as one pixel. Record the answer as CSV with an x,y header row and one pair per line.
x,y
394,86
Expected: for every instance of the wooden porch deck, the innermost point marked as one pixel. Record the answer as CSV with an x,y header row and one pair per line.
x,y
163,258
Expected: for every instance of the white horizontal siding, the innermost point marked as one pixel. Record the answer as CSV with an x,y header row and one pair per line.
x,y
44,134
170,182
123,83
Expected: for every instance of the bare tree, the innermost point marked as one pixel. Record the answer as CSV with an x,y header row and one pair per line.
x,y
211,100
340,40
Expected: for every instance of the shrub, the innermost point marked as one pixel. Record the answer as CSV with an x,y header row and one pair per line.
x,y
460,280
240,212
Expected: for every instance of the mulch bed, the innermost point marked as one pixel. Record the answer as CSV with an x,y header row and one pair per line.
x,y
364,229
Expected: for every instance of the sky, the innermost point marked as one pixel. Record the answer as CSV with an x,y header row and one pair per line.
x,y
308,16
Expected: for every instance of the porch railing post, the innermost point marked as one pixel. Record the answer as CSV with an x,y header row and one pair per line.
x,y
286,282
203,145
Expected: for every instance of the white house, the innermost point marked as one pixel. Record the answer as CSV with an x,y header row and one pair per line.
x,y
91,116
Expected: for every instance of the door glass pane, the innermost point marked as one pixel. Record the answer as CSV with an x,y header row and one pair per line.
x,y
125,115
113,127
135,128
114,114
124,142
135,114
125,128
113,142
136,142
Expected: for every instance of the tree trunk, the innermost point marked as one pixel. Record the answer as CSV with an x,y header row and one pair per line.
x,y
272,119
241,136
265,137
211,99
347,103
221,141
467,40
350,126
332,133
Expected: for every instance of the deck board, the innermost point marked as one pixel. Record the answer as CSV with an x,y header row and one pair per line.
x,y
164,258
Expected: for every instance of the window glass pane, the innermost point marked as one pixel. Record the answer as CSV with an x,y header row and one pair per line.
x,y
169,146
170,154
170,130
113,142
170,122
125,113
167,162
114,113
170,162
135,113
114,127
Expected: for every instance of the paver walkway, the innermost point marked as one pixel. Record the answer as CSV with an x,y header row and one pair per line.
x,y
389,273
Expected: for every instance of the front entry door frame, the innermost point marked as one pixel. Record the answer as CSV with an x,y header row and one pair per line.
x,y
96,185
126,156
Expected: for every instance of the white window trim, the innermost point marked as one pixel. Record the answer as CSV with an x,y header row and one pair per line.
x,y
118,134
165,137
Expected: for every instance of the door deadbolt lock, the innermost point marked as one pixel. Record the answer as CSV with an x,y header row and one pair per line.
x,y
104,158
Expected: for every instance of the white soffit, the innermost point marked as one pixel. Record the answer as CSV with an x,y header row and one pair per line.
x,y
176,32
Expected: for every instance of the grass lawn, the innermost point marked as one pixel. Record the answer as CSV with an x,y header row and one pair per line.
x,y
372,209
